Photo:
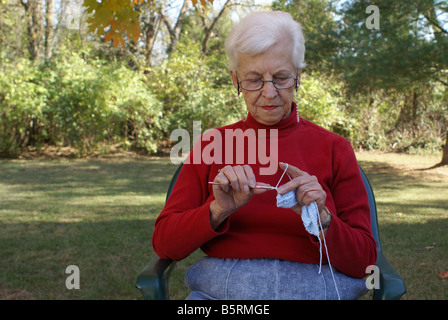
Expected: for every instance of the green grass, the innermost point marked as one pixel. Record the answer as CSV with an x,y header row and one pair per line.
x,y
96,214
412,202
99,215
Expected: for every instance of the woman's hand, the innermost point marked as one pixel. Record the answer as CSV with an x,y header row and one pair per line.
x,y
235,189
308,189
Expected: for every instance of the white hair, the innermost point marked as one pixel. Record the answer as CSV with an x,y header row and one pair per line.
x,y
259,31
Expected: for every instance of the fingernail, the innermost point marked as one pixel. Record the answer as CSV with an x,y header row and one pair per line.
x,y
252,183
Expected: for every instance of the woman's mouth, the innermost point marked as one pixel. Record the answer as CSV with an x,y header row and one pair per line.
x,y
269,107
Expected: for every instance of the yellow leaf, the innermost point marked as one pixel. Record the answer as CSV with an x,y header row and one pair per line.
x,y
116,38
203,2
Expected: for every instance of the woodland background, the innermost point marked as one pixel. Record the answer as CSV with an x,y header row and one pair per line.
x,y
102,76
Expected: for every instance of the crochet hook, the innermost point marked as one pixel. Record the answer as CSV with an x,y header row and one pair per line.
x,y
256,187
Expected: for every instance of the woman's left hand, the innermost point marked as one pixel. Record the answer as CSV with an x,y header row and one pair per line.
x,y
308,188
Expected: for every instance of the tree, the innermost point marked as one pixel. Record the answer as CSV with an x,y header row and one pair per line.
x,y
319,28
208,28
175,27
35,26
150,24
444,160
49,28
406,54
115,19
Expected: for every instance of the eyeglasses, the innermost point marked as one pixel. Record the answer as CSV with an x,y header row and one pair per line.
x,y
280,83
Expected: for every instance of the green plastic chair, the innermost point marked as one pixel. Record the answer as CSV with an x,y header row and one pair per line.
x,y
153,280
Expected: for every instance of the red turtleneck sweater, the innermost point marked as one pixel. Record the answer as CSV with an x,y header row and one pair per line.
x,y
260,229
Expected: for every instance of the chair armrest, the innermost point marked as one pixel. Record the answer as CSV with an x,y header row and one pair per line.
x,y
153,280
391,284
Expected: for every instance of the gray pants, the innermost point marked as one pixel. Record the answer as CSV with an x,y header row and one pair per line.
x,y
268,279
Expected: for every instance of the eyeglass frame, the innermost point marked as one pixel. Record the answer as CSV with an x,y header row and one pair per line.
x,y
296,84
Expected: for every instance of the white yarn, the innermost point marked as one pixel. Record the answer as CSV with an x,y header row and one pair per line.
x,y
311,221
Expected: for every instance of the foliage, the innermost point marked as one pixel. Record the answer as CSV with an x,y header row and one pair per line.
x,y
319,27
193,87
382,89
407,51
320,100
22,100
379,126
79,103
114,19
117,17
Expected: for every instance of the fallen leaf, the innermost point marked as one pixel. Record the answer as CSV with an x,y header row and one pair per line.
x,y
443,275
429,247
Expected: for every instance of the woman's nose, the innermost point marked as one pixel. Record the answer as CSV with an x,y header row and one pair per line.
x,y
268,90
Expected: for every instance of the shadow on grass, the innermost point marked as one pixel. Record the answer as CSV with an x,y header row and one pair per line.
x,y
413,219
113,244
60,177
96,214
110,255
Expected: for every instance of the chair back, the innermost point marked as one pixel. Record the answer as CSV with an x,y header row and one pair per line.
x,y
373,212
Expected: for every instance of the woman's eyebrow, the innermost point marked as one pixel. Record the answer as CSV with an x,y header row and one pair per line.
x,y
281,72
254,74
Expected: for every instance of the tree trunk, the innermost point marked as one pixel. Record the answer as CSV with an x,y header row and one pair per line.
x,y
150,32
49,28
34,15
174,31
208,30
445,151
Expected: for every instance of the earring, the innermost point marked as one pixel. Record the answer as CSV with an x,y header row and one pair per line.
x,y
296,100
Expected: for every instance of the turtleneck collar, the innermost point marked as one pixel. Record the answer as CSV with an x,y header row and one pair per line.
x,y
284,125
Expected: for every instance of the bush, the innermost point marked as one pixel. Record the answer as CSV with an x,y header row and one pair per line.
x,y
320,100
193,88
77,103
23,99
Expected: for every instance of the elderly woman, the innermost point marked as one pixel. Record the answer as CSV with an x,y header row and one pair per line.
x,y
256,246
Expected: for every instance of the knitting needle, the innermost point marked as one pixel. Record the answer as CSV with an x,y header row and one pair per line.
x,y
256,187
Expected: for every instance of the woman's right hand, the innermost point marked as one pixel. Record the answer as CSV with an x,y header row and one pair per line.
x,y
235,189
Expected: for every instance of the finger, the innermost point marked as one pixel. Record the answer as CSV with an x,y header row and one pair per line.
x,y
292,171
307,184
230,174
260,191
295,183
308,196
242,178
222,182
250,175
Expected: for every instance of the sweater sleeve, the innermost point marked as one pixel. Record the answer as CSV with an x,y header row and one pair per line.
x,y
349,238
184,223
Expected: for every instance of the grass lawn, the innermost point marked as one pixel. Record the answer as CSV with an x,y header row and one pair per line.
x,y
98,214
412,202
95,214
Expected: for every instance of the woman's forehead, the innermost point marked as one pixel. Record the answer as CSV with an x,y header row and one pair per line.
x,y
276,60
